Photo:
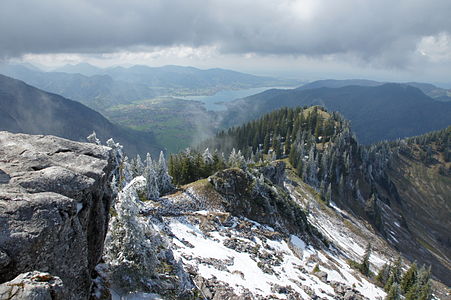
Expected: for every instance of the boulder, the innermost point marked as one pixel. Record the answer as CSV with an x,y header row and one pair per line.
x,y
322,276
33,286
55,197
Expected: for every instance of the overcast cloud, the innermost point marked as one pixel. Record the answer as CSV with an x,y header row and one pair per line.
x,y
393,34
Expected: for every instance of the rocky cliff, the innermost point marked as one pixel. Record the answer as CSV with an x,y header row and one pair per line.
x,y
55,198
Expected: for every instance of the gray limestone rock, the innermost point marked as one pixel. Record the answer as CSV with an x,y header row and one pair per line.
x,y
33,286
54,204
274,172
322,276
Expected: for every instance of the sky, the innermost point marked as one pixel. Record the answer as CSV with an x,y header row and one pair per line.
x,y
399,40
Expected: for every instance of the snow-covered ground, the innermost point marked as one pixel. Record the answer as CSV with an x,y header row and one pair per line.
x,y
236,258
243,256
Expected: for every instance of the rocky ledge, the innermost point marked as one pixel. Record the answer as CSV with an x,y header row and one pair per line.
x,y
54,203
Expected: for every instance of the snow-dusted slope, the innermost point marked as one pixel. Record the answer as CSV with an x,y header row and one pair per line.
x,y
245,258
212,254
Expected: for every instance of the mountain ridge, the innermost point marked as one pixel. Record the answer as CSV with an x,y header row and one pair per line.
x,y
437,93
100,88
35,111
389,111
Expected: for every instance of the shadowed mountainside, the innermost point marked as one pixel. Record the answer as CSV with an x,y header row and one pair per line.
x,y
26,109
389,111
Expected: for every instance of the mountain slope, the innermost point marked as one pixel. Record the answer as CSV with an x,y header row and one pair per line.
x,y
402,188
420,169
377,113
98,91
27,109
259,228
431,90
210,240
332,83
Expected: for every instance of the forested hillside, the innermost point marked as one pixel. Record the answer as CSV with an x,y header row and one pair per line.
x,y
370,181
385,112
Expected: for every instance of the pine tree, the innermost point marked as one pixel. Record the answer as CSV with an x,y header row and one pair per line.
x,y
128,251
382,276
152,191
137,166
389,283
365,265
164,180
266,143
393,293
425,285
397,270
277,147
293,156
236,159
125,173
412,293
409,278
117,156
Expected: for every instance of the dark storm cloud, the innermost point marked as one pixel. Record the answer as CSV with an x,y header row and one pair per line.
x,y
381,30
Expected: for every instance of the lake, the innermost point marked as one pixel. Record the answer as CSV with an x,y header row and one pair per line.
x,y
216,102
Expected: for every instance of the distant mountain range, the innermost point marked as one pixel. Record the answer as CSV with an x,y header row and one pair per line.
x,y
379,112
431,90
172,76
26,109
102,88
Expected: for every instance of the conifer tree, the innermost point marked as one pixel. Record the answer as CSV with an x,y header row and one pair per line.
x,y
137,166
236,159
393,293
277,147
365,266
266,143
152,191
117,155
425,285
164,180
409,278
389,283
128,250
125,173
384,273
412,293
397,270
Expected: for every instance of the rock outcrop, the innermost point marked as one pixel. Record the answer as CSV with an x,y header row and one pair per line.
x,y
257,197
33,286
55,198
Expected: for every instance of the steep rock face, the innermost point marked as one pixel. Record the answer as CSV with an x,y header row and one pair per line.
x,y
275,172
54,202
